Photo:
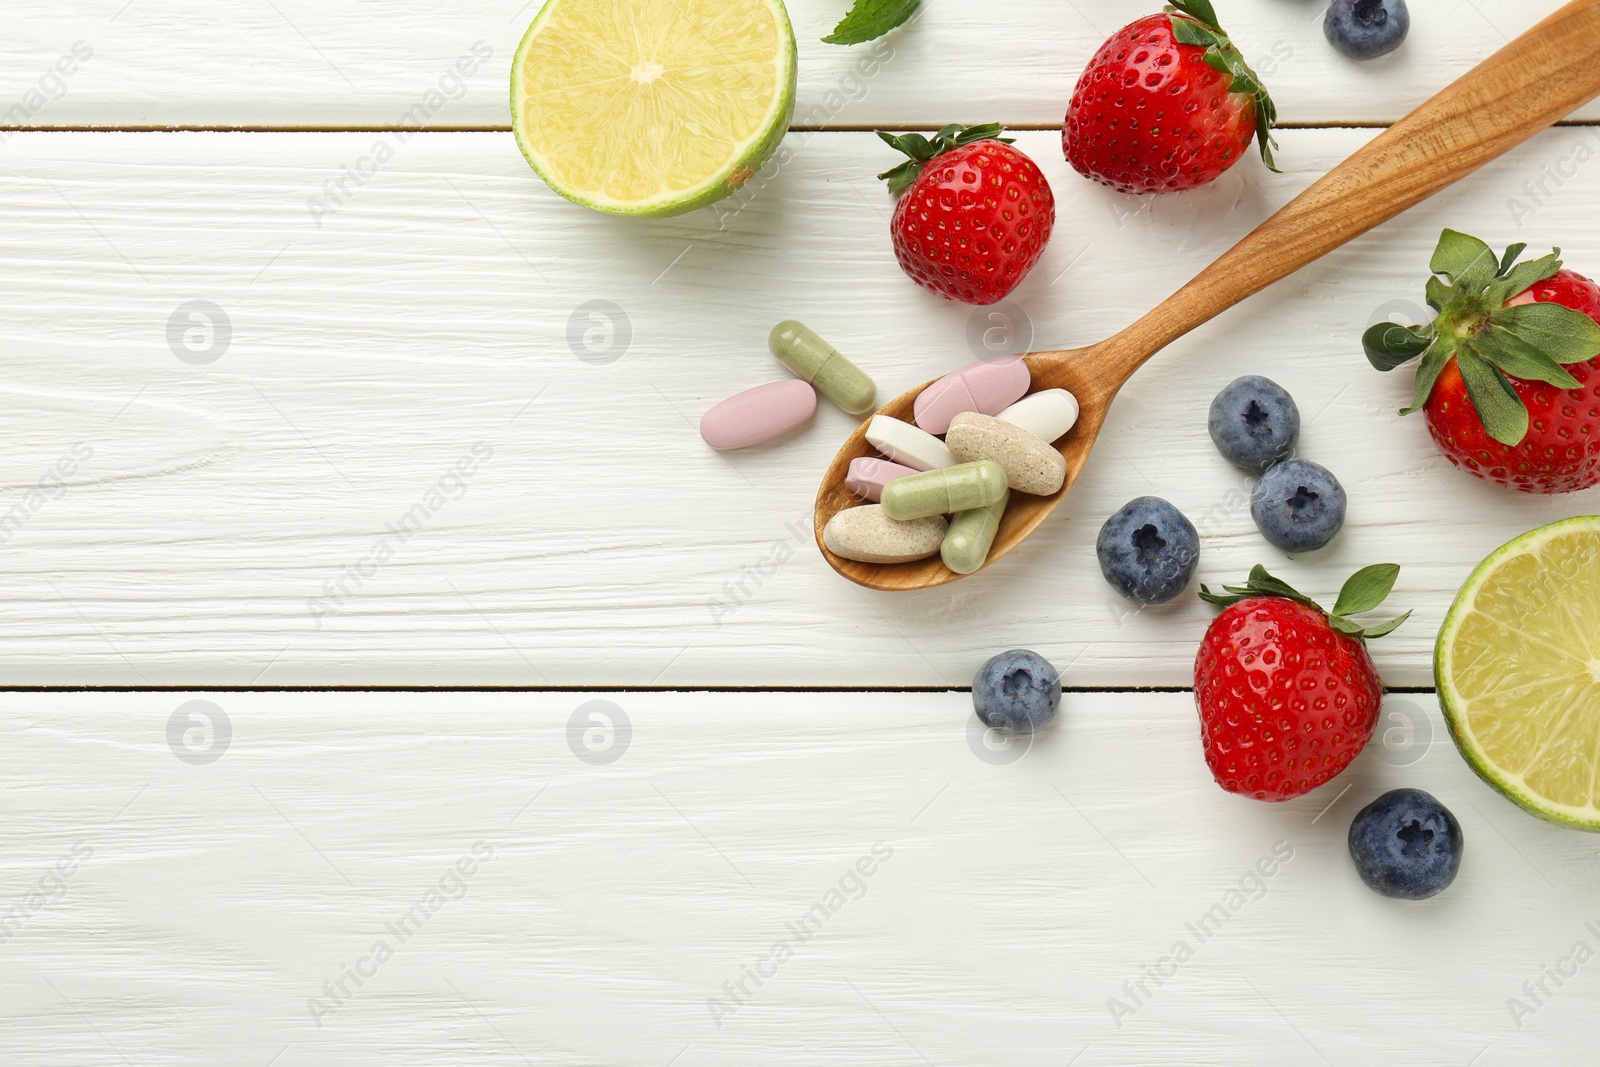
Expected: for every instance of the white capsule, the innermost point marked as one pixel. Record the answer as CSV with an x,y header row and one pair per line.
x,y
1047,414
904,443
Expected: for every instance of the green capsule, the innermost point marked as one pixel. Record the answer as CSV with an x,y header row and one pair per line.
x,y
818,363
963,487
966,545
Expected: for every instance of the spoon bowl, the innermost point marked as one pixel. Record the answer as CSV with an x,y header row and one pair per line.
x,y
1090,374
1531,83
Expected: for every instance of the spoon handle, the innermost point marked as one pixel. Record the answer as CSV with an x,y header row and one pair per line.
x,y
1528,85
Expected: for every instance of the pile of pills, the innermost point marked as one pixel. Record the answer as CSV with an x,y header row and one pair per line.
x,y
769,411
997,440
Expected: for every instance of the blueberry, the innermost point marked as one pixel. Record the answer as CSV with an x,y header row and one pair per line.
x,y
1016,691
1254,423
1366,29
1298,505
1148,551
1406,845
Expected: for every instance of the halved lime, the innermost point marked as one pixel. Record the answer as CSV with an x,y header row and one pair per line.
x,y
652,107
1518,671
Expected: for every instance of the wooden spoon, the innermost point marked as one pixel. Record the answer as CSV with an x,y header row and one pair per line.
x,y
1533,82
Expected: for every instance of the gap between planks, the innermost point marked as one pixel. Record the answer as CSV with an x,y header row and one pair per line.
x,y
1411,690
869,128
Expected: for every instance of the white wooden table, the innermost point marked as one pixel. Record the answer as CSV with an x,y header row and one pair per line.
x,y
625,701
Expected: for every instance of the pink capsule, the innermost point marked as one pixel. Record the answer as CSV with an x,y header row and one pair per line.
x,y
759,414
988,386
869,474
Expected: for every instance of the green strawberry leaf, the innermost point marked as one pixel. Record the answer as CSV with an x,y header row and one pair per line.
x,y
1460,256
1367,588
1511,254
1187,31
1385,628
871,19
1565,335
1438,293
1434,361
1345,626
1202,30
1198,9
1388,344
922,149
1364,591
1502,411
1518,358
1514,281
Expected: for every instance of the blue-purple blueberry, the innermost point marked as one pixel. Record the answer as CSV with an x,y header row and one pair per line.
x,y
1148,550
1366,29
1254,423
1017,692
1298,505
1406,845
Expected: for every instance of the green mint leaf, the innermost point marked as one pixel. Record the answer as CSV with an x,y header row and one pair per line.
x,y
1385,628
1200,9
1389,344
1520,359
1501,411
871,19
1565,335
1510,256
1367,588
1434,361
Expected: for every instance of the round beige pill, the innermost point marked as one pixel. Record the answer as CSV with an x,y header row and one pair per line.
x,y
866,535
1032,465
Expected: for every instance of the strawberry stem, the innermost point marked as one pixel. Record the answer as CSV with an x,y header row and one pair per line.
x,y
1195,23
1488,341
923,150
1363,592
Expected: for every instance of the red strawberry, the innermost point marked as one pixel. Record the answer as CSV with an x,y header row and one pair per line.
x,y
1508,379
1168,103
1287,693
975,213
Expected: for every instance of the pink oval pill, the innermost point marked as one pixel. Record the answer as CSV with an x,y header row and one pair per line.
x,y
869,474
988,386
758,415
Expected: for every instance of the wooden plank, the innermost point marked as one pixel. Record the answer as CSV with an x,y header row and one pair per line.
x,y
411,381
294,63
1009,911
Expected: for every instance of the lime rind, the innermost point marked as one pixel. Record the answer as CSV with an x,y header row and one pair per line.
x,y
742,165
1512,786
